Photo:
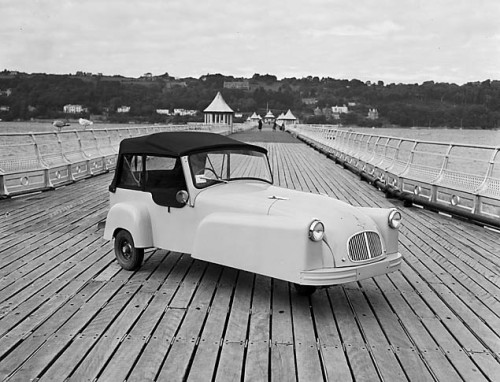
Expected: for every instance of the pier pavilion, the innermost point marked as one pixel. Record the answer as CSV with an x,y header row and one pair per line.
x,y
218,111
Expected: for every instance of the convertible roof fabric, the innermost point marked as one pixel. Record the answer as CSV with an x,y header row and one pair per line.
x,y
181,143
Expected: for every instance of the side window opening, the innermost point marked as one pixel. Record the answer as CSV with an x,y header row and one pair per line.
x,y
164,178
131,172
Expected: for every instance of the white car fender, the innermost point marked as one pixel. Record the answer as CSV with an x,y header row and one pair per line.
x,y
274,246
133,218
381,217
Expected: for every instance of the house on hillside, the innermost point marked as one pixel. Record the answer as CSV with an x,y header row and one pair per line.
x,y
123,109
372,113
74,109
337,110
185,112
163,111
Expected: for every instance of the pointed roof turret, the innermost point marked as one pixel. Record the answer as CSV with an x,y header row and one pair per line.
x,y
269,114
255,116
218,105
289,115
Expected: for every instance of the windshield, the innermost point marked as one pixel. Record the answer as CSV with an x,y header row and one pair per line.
x,y
213,167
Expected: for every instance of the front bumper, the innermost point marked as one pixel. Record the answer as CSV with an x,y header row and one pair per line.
x,y
334,276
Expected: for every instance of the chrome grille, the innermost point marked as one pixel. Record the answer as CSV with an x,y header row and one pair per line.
x,y
365,246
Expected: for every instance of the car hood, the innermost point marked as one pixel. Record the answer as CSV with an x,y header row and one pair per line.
x,y
332,212
248,197
262,198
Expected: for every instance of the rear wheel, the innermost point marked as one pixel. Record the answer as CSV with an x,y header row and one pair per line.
x,y
129,257
304,290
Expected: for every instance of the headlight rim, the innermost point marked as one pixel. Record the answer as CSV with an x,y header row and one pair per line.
x,y
394,224
312,230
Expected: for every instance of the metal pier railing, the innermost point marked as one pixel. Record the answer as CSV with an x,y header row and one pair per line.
x,y
459,179
32,162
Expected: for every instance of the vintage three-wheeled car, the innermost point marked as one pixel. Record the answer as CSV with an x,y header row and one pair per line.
x,y
213,197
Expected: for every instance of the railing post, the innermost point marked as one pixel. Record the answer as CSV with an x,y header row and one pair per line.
x,y
46,176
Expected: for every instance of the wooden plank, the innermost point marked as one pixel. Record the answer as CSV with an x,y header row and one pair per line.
x,y
306,349
452,270
177,363
232,354
205,360
100,353
379,346
54,314
65,363
67,331
283,366
326,328
155,350
162,289
488,364
258,354
344,316
488,333
358,356
426,345
237,325
453,351
334,363
29,301
188,285
230,366
333,358
401,344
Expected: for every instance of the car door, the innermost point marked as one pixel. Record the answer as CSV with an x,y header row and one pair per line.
x,y
170,217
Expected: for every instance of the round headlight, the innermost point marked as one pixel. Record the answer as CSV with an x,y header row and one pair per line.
x,y
316,231
394,219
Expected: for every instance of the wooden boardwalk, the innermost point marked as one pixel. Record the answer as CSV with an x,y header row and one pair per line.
x,y
68,311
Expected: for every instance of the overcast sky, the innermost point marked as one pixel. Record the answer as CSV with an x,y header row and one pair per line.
x,y
408,41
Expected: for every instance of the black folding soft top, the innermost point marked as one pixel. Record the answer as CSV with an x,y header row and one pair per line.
x,y
177,144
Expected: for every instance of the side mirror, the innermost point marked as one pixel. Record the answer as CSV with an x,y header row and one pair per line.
x,y
182,196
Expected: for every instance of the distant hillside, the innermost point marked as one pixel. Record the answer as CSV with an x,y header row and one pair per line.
x,y
34,96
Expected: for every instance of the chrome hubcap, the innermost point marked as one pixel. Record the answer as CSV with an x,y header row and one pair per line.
x,y
126,250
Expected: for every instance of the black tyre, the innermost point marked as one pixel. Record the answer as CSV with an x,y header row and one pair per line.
x,y
128,256
304,290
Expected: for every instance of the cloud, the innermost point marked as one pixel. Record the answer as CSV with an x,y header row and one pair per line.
x,y
371,30
388,39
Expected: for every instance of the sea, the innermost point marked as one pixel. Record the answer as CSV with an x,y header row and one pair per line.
x,y
461,136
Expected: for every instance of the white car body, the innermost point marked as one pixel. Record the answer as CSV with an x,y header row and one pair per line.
x,y
252,225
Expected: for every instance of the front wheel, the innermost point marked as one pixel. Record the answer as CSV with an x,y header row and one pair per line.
x,y
129,257
304,290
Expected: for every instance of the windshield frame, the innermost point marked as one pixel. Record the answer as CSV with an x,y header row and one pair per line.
x,y
195,167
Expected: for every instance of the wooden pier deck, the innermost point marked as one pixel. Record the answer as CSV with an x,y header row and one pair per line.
x,y
68,311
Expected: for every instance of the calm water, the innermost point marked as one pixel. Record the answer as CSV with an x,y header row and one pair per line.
x,y
35,127
478,137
